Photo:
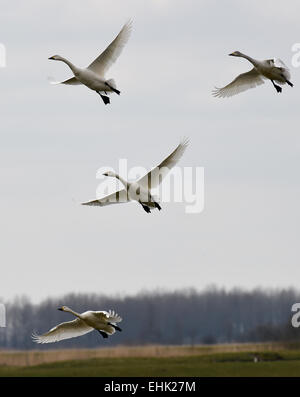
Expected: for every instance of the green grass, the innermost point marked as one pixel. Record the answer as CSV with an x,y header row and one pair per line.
x,y
285,363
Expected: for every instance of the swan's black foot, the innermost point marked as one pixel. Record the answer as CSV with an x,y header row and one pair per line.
x,y
104,98
146,208
157,206
290,84
278,89
104,334
113,89
115,327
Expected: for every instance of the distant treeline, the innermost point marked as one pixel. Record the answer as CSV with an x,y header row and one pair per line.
x,y
188,316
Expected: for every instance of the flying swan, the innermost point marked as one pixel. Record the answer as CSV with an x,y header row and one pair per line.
x,y
272,69
94,75
101,321
140,190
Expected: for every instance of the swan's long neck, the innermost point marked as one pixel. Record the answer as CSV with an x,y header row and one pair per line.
x,y
252,60
124,182
72,312
70,64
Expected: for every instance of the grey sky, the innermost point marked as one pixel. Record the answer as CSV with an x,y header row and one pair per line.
x,y
54,138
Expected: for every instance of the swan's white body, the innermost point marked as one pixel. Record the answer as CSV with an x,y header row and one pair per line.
x,y
102,321
272,69
91,80
94,75
140,190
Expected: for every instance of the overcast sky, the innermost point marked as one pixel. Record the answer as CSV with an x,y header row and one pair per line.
x,y
54,138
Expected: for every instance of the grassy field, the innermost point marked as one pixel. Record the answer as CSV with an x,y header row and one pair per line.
x,y
219,360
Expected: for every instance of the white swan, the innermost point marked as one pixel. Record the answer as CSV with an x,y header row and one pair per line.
x,y
101,321
94,75
140,190
272,69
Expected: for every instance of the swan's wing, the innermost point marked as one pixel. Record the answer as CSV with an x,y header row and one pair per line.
x,y
156,175
71,81
112,52
114,317
120,196
243,82
110,316
102,315
66,330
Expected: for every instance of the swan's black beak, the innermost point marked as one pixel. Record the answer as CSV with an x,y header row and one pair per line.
x,y
60,308
231,55
51,58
